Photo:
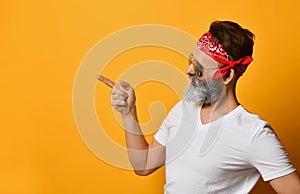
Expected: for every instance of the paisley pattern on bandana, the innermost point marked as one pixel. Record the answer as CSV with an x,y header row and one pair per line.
x,y
206,45
217,52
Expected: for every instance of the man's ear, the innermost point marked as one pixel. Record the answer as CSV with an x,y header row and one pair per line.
x,y
229,78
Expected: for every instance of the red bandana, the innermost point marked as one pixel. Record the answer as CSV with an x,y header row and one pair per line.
x,y
218,53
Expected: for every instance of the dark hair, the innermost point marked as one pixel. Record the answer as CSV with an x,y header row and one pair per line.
x,y
237,41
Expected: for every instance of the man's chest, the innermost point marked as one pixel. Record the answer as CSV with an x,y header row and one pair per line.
x,y
220,156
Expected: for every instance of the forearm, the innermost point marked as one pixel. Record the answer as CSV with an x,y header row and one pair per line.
x,y
136,143
123,100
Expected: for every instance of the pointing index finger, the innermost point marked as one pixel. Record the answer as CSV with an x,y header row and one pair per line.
x,y
106,81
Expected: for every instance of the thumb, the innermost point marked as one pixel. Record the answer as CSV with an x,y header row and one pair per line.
x,y
125,85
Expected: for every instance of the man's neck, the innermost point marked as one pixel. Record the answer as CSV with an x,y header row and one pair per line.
x,y
225,104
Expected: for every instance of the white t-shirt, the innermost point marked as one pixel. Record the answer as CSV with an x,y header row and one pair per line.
x,y
224,156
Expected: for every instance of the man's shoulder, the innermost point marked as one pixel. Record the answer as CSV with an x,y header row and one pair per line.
x,y
177,106
183,103
249,120
182,107
250,115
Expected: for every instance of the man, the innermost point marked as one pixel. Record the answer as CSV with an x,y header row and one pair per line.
x,y
209,142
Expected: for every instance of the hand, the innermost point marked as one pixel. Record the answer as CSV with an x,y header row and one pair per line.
x,y
122,95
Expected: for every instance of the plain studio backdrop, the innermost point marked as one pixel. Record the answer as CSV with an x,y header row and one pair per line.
x,y
43,44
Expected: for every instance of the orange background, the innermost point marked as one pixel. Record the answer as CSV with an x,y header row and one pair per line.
x,y
43,44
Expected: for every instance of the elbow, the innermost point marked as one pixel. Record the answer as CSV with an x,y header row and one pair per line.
x,y
142,172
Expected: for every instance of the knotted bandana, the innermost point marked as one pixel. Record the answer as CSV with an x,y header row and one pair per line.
x,y
217,52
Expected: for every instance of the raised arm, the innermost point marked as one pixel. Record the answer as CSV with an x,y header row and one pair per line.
x,y
144,158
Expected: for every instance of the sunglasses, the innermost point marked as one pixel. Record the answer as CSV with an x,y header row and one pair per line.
x,y
198,68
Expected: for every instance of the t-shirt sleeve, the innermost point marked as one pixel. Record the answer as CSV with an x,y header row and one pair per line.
x,y
169,125
268,156
162,134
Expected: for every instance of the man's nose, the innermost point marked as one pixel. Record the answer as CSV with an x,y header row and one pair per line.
x,y
190,70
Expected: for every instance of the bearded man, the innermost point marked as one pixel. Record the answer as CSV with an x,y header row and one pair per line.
x,y
209,142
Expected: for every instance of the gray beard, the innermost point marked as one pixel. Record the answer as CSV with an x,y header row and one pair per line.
x,y
203,91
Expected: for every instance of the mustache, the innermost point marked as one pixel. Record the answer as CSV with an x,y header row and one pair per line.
x,y
195,80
